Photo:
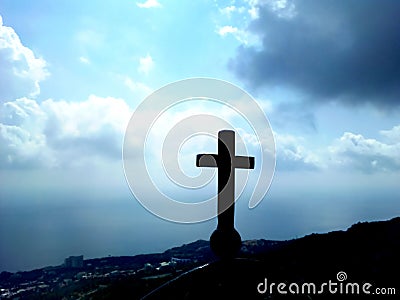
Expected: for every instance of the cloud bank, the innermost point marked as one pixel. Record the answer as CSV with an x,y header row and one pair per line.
x,y
61,133
368,155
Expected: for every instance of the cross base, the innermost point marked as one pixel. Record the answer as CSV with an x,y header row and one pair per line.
x,y
225,243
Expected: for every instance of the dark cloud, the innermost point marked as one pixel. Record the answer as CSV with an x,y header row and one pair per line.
x,y
346,50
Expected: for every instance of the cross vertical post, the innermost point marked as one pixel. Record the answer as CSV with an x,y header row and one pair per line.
x,y
225,240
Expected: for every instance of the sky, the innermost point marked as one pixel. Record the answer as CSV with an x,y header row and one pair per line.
x,y
72,73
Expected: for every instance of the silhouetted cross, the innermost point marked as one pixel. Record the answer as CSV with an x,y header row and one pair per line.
x,y
225,240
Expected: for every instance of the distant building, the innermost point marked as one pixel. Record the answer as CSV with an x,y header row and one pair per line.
x,y
148,267
176,260
74,262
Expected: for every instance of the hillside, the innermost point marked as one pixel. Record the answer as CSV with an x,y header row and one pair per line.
x,y
366,252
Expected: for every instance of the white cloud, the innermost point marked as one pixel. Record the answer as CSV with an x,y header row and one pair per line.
x,y
21,148
61,133
351,152
392,135
140,89
146,64
367,155
149,4
240,17
282,8
21,71
52,133
84,60
243,36
292,154
253,8
230,10
223,31
253,12
21,134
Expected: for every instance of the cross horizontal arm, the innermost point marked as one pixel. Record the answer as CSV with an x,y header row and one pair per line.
x,y
206,160
244,162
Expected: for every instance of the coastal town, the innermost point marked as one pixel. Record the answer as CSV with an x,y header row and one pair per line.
x,y
79,278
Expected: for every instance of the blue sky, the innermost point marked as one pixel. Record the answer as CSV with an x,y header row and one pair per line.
x,y
72,73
